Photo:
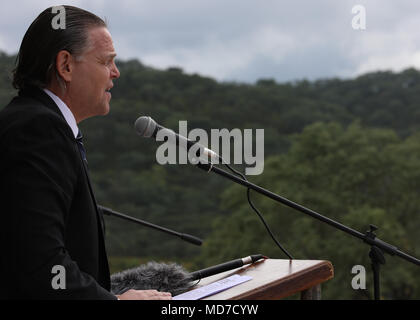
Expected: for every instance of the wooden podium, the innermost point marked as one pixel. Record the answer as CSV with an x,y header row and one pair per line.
x,y
275,279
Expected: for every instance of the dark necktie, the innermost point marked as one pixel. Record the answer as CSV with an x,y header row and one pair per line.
x,y
79,140
82,149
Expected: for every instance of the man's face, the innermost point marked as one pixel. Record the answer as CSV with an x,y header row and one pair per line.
x,y
93,75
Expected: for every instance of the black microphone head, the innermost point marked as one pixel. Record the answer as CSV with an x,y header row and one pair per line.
x,y
145,126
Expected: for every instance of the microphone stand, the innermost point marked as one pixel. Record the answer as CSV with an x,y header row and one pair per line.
x,y
377,246
183,236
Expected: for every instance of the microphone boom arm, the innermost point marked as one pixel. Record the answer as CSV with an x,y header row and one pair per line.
x,y
368,237
183,236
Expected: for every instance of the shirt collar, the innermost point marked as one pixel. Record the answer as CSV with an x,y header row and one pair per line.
x,y
68,115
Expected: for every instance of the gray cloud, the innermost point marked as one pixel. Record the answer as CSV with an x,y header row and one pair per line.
x,y
244,40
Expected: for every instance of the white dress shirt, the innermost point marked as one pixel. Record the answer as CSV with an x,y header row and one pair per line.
x,y
68,115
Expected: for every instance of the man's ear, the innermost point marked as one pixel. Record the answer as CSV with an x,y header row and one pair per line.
x,y
64,63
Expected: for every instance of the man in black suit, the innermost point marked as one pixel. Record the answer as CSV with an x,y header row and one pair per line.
x,y
51,239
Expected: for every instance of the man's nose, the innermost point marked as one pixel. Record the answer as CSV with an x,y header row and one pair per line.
x,y
115,73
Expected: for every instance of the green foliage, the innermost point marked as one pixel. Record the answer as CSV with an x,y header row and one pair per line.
x,y
323,149
6,68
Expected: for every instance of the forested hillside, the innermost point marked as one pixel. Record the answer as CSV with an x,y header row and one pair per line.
x,y
348,149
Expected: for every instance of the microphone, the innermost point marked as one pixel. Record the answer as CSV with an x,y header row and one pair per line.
x,y
225,267
169,277
148,128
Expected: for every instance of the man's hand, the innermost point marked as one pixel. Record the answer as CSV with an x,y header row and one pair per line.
x,y
144,295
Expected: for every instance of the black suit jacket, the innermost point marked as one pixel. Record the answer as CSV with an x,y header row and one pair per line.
x,y
48,215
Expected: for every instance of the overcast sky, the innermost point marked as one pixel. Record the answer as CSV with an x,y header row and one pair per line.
x,y
246,40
